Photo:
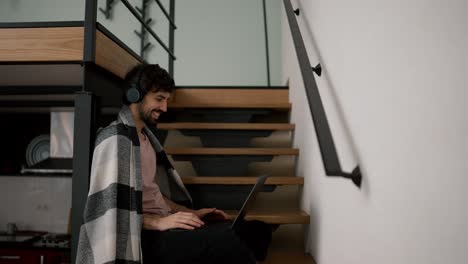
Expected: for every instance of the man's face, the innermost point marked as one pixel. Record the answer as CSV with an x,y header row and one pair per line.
x,y
152,106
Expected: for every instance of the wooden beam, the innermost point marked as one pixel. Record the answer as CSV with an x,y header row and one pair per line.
x,y
54,44
232,151
276,180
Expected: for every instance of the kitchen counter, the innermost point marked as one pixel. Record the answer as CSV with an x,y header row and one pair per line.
x,y
34,239
35,247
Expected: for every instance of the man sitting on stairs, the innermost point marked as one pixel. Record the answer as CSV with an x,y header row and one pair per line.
x,y
138,209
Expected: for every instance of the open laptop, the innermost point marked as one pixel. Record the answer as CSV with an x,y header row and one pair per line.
x,y
249,201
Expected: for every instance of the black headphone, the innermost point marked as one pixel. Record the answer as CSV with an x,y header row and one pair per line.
x,y
133,94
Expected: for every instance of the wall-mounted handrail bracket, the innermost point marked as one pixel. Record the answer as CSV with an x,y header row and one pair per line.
x,y
318,69
147,46
138,33
108,10
144,44
297,11
142,13
355,176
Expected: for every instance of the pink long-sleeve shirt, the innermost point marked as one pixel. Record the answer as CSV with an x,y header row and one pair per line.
x,y
153,200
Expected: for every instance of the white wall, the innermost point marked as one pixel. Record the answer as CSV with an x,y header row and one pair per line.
x,y
35,203
394,86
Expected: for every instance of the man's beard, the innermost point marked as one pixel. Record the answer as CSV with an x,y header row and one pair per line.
x,y
147,119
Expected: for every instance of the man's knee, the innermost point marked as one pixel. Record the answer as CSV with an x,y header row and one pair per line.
x,y
228,248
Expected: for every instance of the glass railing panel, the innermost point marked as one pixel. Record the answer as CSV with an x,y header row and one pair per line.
x,y
273,9
217,42
220,43
41,10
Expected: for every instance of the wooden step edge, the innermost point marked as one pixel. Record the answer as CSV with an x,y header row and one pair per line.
x,y
227,126
275,217
275,180
233,151
279,256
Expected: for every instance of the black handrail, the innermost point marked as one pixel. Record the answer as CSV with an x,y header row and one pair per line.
x,y
267,50
171,19
171,36
322,129
144,24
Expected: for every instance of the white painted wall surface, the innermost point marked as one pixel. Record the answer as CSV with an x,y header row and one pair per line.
x,y
394,87
35,203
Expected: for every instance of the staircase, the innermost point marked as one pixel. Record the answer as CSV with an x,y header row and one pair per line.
x,y
221,139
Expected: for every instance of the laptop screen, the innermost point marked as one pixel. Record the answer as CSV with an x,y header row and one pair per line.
x,y
249,201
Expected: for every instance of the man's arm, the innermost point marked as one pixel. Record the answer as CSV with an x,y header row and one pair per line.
x,y
182,220
177,207
200,213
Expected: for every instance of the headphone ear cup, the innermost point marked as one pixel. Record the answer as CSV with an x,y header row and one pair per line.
x,y
133,95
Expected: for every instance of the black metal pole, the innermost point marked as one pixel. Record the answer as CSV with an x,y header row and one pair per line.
x,y
267,50
143,30
84,123
85,114
171,37
89,49
168,16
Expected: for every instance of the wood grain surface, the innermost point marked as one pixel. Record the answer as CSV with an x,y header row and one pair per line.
x,y
60,44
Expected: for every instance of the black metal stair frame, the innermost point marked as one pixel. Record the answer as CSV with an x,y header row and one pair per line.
x,y
226,138
224,115
225,165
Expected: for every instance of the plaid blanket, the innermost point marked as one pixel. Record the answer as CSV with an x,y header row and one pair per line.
x,y
113,214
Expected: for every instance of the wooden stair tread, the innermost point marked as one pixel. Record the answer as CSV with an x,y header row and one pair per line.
x,y
286,216
232,151
276,180
231,98
227,126
276,256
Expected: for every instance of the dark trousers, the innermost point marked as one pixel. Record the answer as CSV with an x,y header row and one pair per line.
x,y
214,243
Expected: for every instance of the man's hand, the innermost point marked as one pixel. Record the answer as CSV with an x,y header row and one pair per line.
x,y
215,213
182,220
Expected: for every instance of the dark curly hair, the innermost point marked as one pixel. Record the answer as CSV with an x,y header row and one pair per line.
x,y
149,77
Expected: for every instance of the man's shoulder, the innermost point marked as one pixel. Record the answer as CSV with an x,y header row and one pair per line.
x,y
112,130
